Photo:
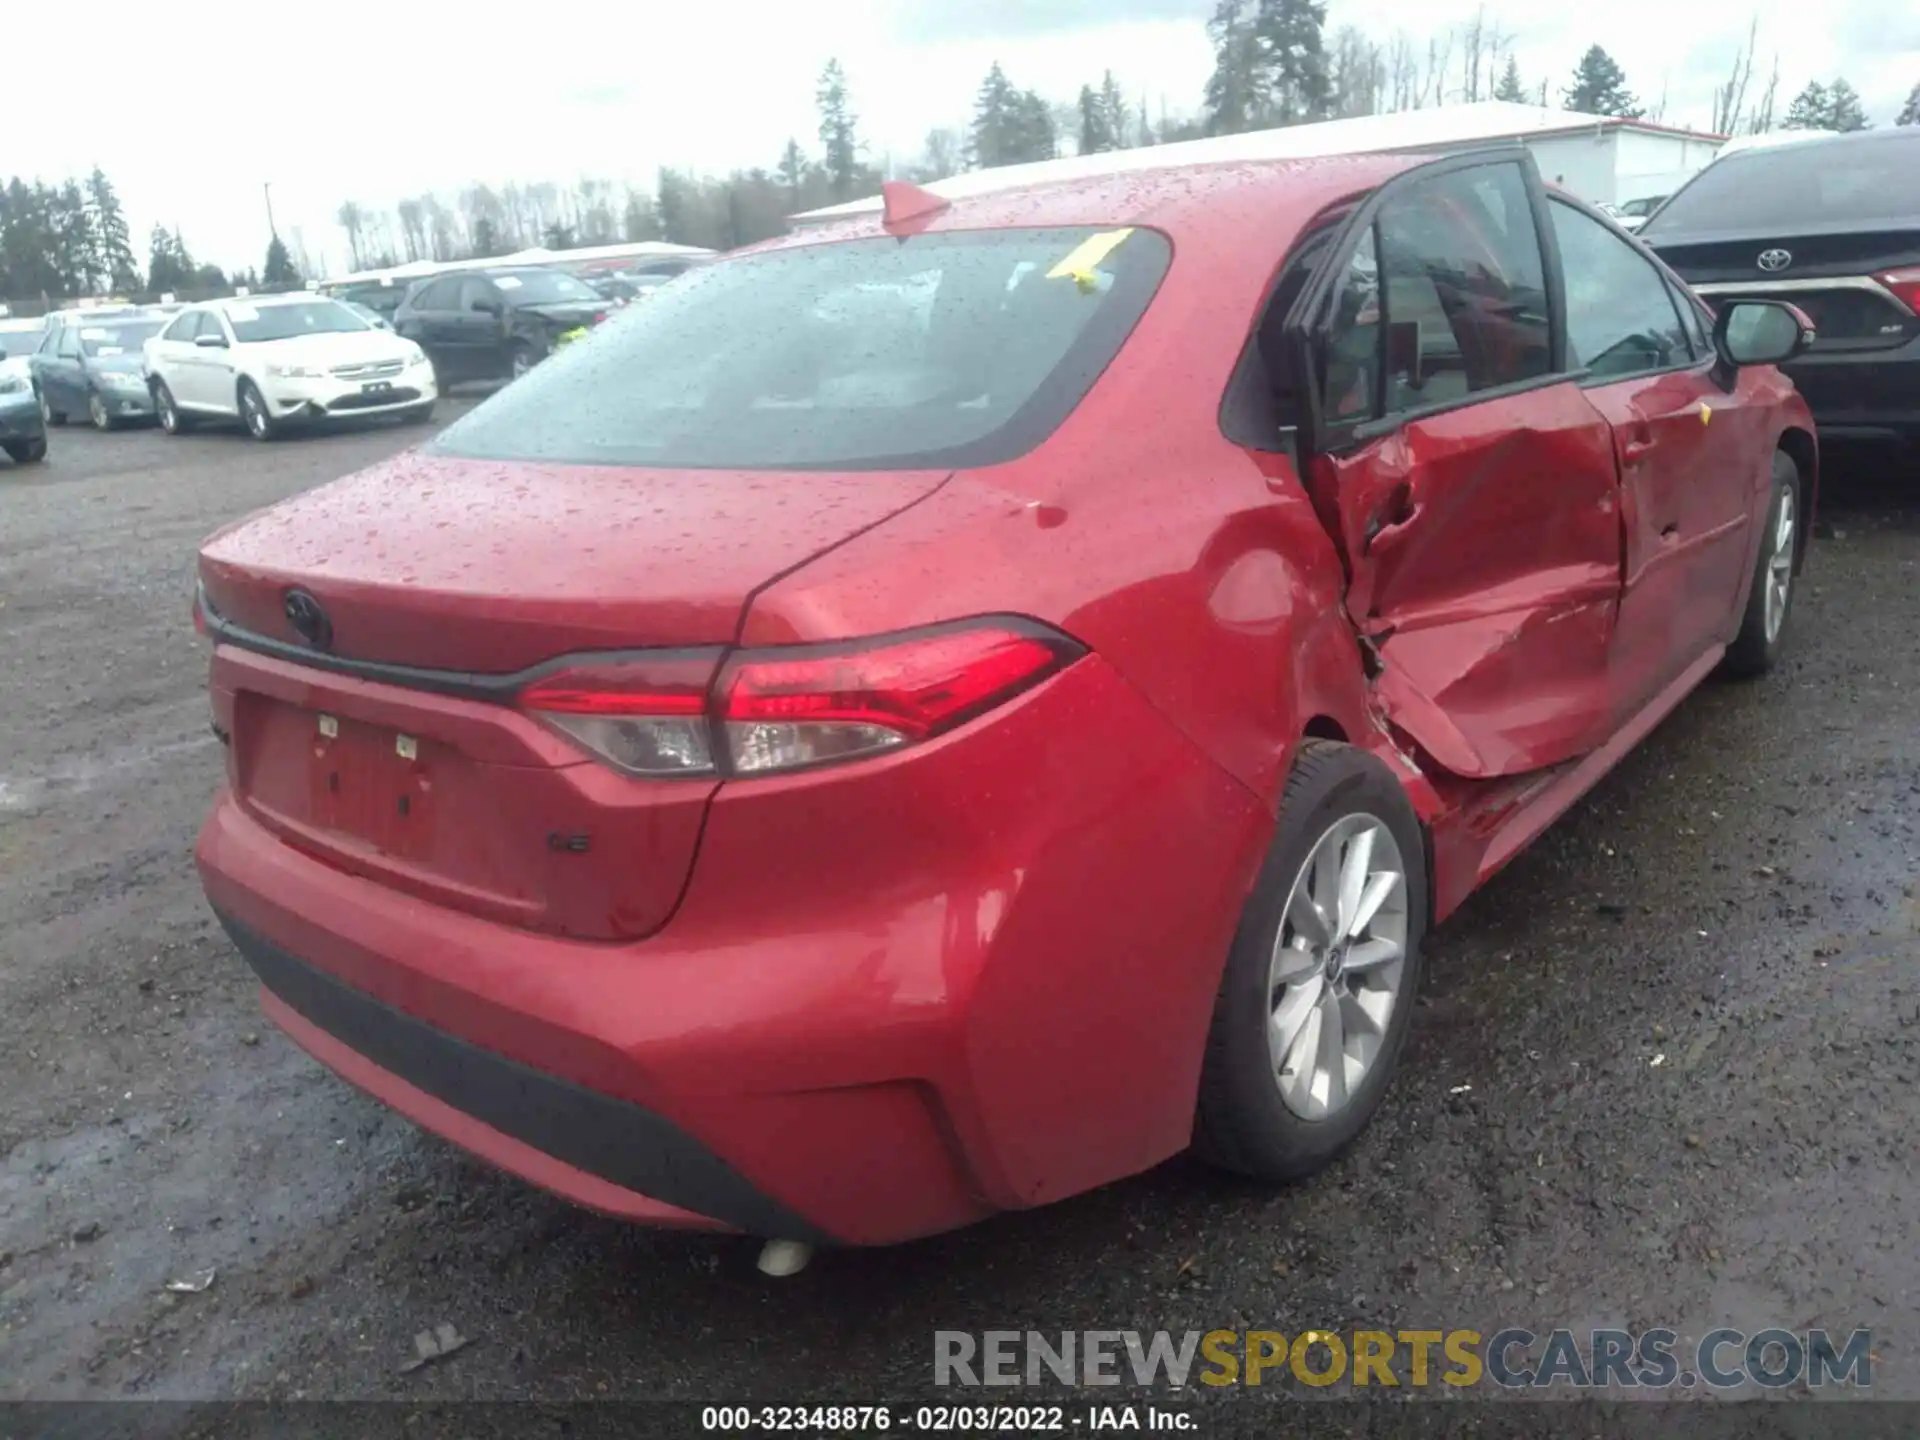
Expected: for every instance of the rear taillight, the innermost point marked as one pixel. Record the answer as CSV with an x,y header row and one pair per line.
x,y
794,708
1905,284
646,716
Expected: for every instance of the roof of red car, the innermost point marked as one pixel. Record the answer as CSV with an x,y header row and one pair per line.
x,y
1273,192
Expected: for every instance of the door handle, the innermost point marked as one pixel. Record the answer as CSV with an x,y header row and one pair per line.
x,y
1633,451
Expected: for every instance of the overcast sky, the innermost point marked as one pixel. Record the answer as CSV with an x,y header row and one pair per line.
x,y
378,102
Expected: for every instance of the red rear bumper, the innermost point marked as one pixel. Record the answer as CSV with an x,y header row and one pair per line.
x,y
896,998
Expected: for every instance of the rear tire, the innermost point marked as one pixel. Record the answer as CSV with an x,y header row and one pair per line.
x,y
27,452
171,420
254,414
1311,1017
50,415
1770,595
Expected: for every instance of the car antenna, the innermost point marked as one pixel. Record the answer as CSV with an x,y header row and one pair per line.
x,y
904,203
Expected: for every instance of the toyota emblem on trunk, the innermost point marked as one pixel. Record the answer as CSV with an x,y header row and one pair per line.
x,y
308,620
1775,259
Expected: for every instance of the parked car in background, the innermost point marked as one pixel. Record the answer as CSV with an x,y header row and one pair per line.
x,y
1632,214
383,297
495,324
272,361
1832,225
90,363
933,717
23,433
20,336
367,313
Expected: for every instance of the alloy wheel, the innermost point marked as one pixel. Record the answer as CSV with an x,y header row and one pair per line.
x,y
1779,576
97,412
1335,975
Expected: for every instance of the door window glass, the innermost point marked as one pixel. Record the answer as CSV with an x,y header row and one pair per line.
x,y
69,343
1620,315
1445,299
474,293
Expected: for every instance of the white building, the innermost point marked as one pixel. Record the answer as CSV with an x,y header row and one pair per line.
x,y
1599,158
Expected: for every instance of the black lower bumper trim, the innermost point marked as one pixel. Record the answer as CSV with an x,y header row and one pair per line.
x,y
617,1141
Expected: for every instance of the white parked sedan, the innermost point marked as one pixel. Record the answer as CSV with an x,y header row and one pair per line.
x,y
271,361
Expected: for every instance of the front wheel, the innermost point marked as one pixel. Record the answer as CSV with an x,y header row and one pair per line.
x,y
1770,597
171,420
522,360
27,452
98,413
50,415
254,413
1317,996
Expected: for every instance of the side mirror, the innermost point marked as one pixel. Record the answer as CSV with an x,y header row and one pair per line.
x,y
211,342
1761,332
488,307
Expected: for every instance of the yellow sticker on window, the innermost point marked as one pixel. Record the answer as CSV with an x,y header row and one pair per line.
x,y
1079,263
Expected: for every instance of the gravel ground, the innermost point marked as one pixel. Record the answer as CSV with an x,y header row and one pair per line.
x,y
1689,1019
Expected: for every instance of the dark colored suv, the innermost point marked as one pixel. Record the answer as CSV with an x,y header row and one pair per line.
x,y
495,324
1834,227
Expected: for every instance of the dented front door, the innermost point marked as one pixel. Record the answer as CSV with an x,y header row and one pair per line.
x,y
1484,548
1470,483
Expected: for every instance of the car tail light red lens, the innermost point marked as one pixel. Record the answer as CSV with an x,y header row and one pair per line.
x,y
790,709
1905,284
785,713
645,716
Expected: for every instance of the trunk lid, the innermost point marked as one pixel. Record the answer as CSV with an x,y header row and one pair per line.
x,y
1828,274
490,567
466,571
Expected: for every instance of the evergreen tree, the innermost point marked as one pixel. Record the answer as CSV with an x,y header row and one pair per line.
x,y
165,273
1096,126
1844,111
279,273
839,143
1810,110
1510,88
1600,88
486,238
1236,93
112,242
76,257
1910,112
1290,34
792,171
994,136
1113,105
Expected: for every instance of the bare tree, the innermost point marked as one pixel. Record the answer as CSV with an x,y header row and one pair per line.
x,y
1433,85
1473,44
413,229
1357,72
352,220
1403,73
1730,99
1762,118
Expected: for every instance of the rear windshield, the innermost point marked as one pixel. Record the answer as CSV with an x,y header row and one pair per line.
x,y
947,349
544,287
1850,182
121,339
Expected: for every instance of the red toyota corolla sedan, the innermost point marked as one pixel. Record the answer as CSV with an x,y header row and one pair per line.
x,y
929,716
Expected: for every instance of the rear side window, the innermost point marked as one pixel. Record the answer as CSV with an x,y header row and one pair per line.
x,y
1837,183
935,350
1621,318
1445,297
437,295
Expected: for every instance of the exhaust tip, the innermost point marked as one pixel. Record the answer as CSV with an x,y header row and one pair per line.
x,y
781,1258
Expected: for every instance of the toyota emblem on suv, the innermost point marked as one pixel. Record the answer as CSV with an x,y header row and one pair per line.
x,y
309,621
1771,260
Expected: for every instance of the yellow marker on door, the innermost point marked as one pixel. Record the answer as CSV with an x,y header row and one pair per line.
x,y
1706,413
